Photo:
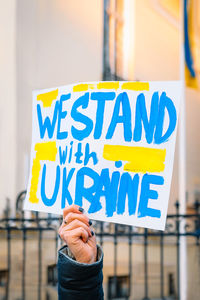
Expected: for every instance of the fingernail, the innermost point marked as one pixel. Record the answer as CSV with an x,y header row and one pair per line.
x,y
92,232
81,209
90,222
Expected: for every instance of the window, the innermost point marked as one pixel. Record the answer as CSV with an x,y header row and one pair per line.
x,y
118,287
52,275
171,284
3,278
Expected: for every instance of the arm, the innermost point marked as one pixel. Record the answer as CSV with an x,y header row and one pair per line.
x,y
80,261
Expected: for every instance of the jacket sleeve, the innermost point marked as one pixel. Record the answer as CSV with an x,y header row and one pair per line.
x,y
78,281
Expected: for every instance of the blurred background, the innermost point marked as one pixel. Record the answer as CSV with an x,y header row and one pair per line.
x,y
49,43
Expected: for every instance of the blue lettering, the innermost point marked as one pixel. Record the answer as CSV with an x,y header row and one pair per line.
x,y
89,155
141,116
111,195
101,99
78,154
62,155
50,201
87,193
65,192
70,152
128,186
79,117
61,115
47,124
165,102
125,119
146,194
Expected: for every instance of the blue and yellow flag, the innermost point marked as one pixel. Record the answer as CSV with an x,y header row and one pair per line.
x,y
189,45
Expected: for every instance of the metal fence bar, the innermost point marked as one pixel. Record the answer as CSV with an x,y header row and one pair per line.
x,y
56,245
39,264
8,262
177,249
101,234
115,260
145,265
38,225
161,267
130,260
24,266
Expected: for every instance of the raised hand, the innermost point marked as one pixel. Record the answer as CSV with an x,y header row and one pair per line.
x,y
76,232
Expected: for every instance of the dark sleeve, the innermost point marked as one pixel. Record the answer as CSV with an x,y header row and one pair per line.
x,y
77,280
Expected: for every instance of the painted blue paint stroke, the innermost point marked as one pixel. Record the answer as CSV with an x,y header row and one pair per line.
x,y
125,119
81,118
50,201
146,194
101,98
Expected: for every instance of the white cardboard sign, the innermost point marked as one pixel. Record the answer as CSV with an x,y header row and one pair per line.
x,y
106,146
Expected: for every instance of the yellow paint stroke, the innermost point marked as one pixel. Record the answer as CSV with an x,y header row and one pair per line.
x,y
44,151
108,85
136,86
47,98
82,87
140,159
91,86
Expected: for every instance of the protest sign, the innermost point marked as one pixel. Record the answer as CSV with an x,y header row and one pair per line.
x,y
106,146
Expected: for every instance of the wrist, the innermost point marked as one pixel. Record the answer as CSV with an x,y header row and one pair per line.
x,y
86,260
81,259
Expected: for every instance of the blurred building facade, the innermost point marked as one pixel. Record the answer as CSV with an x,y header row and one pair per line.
x,y
49,43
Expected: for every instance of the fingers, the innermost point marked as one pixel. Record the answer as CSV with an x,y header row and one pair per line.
x,y
73,208
76,232
80,232
71,237
75,216
76,224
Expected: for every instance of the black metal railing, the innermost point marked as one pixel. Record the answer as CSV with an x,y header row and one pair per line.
x,y
42,230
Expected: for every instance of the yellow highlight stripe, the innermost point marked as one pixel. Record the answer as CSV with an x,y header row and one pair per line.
x,y
108,85
140,159
83,87
112,85
91,86
47,98
44,151
136,86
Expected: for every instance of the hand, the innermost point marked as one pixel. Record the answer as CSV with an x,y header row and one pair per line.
x,y
75,231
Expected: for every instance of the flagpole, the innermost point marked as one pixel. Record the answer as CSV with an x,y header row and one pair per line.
x,y
182,167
